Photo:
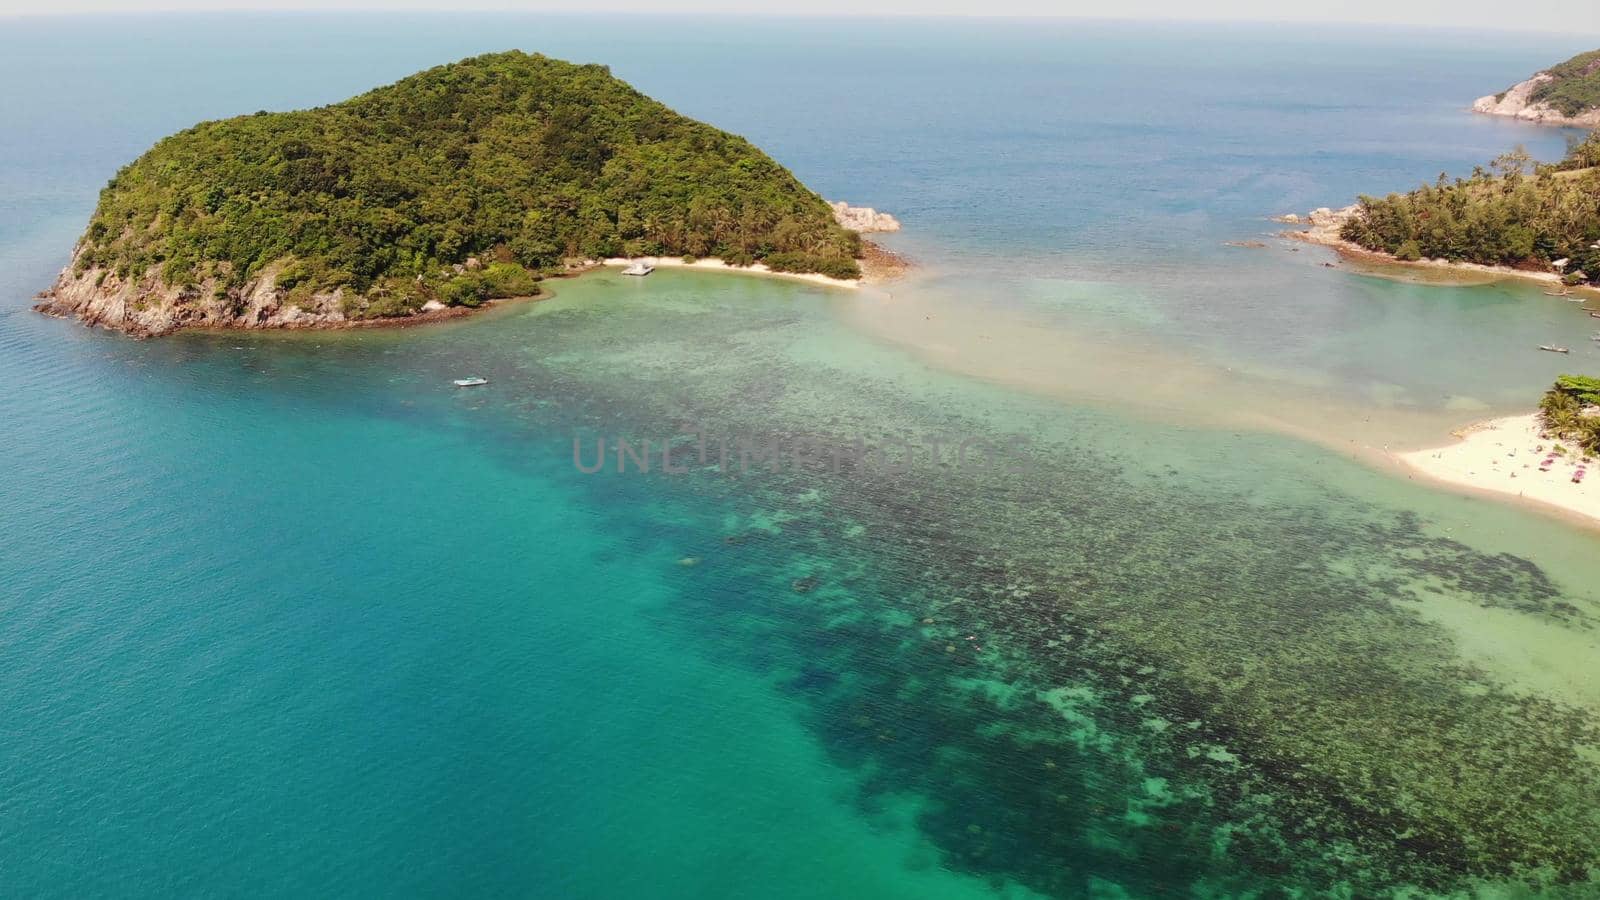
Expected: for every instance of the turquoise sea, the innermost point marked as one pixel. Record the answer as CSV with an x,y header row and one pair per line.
x,y
289,615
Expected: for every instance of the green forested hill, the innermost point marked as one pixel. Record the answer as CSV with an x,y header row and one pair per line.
x,y
1574,86
1520,214
517,159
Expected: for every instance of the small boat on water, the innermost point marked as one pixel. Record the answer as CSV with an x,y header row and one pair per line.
x,y
640,268
474,381
1553,349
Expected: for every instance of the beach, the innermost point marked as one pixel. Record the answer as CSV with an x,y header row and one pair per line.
x,y
1503,456
717,265
877,265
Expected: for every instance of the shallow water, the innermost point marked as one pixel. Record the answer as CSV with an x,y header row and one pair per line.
x,y
287,613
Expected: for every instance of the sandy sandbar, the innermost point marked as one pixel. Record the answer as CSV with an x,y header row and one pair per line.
x,y
1506,456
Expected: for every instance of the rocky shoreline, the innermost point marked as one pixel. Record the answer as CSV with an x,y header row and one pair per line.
x,y
147,306
1324,225
863,219
1516,103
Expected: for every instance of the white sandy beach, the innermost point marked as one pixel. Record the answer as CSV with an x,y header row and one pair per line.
x,y
1503,456
719,265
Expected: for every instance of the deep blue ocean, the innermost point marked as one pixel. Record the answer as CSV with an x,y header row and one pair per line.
x,y
288,615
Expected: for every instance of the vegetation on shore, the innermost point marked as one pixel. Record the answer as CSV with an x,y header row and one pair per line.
x,y
1574,87
1570,411
1517,213
459,184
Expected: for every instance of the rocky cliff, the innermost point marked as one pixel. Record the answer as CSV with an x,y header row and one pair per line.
x,y
1566,94
148,306
1517,104
863,219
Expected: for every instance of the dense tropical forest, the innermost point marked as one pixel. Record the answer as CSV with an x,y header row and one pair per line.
x,y
1515,213
1571,410
1574,87
460,183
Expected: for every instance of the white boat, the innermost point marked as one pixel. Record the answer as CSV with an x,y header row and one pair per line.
x,y
639,268
1552,349
470,382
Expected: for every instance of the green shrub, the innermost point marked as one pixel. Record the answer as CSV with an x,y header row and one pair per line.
x,y
292,276
469,291
472,289
832,266
388,299
1582,388
509,280
1575,87
1564,411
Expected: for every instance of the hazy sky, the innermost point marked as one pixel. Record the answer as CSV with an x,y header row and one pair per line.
x,y
1582,16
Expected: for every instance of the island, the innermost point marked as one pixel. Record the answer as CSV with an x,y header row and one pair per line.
x,y
1567,94
446,190
1517,217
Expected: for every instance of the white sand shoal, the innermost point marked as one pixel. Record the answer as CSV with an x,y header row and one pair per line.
x,y
719,265
1503,456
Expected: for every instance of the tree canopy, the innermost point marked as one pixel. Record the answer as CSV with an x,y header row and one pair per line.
x,y
1568,411
519,159
1520,214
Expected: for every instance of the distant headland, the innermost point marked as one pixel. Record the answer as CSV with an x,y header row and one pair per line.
x,y
1516,217
1566,94
449,189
